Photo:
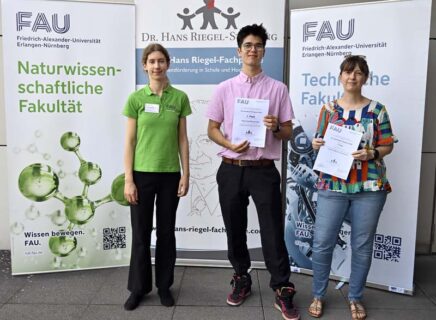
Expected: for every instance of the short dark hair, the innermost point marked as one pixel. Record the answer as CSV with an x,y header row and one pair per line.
x,y
255,30
350,62
152,47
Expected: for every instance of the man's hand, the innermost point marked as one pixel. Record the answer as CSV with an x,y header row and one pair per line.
x,y
240,148
214,133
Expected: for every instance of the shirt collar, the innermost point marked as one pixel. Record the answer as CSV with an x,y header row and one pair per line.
x,y
246,79
148,91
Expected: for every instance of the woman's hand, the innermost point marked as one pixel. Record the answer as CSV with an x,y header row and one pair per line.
x,y
183,186
363,154
317,143
130,193
271,122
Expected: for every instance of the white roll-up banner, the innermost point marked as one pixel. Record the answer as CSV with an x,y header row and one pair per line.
x,y
200,36
394,37
68,69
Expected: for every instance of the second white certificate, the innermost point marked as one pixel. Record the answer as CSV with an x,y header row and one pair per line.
x,y
334,157
248,121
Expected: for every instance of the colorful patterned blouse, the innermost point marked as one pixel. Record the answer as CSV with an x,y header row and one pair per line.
x,y
373,121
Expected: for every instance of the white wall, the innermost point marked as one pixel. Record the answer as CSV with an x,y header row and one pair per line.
x,y
4,217
429,127
427,212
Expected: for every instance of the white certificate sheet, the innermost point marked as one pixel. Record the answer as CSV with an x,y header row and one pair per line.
x,y
248,121
334,157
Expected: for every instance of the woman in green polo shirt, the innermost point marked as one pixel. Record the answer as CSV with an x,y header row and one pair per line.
x,y
156,145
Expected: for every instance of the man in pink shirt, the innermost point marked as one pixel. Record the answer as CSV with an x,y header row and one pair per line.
x,y
250,171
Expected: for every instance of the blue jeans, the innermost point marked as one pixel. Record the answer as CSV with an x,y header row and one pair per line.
x,y
363,210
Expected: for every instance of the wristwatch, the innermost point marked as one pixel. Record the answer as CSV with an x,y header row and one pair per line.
x,y
276,129
376,154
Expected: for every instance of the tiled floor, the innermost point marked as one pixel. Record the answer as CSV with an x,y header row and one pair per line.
x,y
200,294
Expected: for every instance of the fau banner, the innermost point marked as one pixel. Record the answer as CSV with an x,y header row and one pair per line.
x,y
394,37
68,70
201,40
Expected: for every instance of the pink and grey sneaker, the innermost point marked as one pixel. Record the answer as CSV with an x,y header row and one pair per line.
x,y
284,303
241,290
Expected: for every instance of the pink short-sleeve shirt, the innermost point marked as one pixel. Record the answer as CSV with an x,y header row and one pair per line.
x,y
221,108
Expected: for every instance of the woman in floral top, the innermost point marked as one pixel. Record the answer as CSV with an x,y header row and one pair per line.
x,y
361,196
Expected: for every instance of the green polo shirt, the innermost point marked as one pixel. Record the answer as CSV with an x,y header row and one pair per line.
x,y
157,122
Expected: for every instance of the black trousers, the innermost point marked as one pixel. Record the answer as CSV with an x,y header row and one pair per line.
x,y
235,185
162,188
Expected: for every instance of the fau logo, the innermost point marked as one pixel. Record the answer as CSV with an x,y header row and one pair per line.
x,y
336,129
242,101
40,22
311,29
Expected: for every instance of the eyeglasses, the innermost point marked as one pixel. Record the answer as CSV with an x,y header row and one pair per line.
x,y
248,46
354,55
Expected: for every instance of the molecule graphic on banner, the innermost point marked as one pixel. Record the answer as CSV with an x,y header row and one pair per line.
x,y
39,182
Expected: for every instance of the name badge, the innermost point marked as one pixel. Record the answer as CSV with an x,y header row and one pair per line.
x,y
151,108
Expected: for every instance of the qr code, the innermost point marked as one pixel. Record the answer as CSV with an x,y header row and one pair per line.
x,y
387,248
114,238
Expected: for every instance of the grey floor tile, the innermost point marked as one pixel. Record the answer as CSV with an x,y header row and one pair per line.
x,y
78,287
425,275
9,285
114,290
380,299
271,313
210,287
401,314
41,311
200,293
105,312
218,313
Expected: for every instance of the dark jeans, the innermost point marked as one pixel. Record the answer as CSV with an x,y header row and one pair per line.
x,y
235,185
161,187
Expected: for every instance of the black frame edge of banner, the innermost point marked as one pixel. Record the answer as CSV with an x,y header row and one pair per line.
x,y
286,46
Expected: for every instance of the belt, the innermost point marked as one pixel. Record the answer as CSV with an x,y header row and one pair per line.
x,y
249,163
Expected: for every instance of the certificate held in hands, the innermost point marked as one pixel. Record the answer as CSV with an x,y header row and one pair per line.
x,y
248,121
334,157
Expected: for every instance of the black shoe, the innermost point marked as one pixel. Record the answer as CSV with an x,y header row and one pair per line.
x,y
166,298
241,289
284,303
133,301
